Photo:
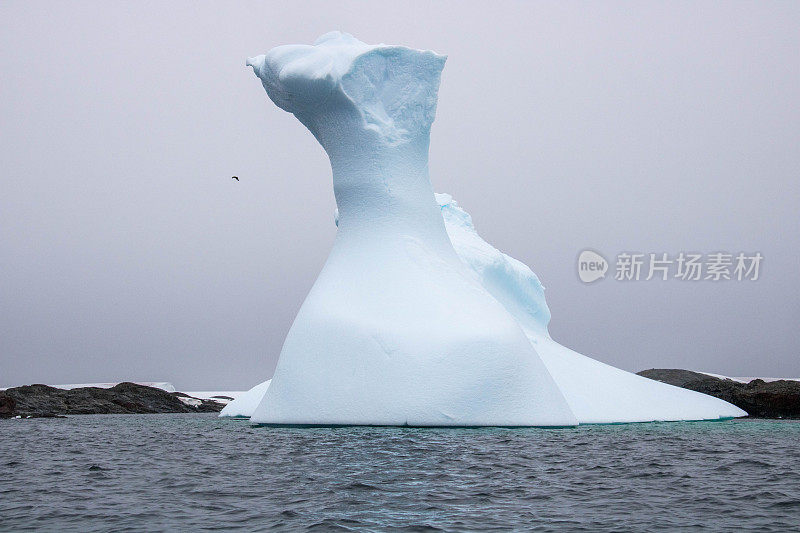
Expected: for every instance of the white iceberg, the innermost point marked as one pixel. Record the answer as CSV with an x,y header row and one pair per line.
x,y
395,330
245,403
398,329
596,392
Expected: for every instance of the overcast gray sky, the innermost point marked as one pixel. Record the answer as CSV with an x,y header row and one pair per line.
x,y
127,252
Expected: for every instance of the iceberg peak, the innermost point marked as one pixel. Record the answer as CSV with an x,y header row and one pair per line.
x,y
392,89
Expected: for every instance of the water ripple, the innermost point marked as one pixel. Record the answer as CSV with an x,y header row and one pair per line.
x,y
192,472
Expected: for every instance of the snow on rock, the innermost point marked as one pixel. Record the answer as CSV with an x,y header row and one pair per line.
x,y
744,379
245,404
219,396
163,385
191,402
396,330
596,392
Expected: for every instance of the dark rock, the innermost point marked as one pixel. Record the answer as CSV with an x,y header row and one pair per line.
x,y
7,404
124,398
674,376
210,406
776,399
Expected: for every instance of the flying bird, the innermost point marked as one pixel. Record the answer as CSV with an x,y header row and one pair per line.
x,y
235,178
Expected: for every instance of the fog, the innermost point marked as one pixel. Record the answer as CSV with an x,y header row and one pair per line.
x,y
128,253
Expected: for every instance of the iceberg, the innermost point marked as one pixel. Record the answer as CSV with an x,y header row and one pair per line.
x,y
245,404
395,330
596,392
414,319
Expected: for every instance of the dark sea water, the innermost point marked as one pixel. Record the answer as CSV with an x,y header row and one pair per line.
x,y
197,472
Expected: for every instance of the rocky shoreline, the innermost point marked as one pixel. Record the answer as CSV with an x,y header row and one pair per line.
x,y
774,399
37,401
761,399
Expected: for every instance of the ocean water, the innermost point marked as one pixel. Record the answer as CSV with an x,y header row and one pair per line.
x,y
197,472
